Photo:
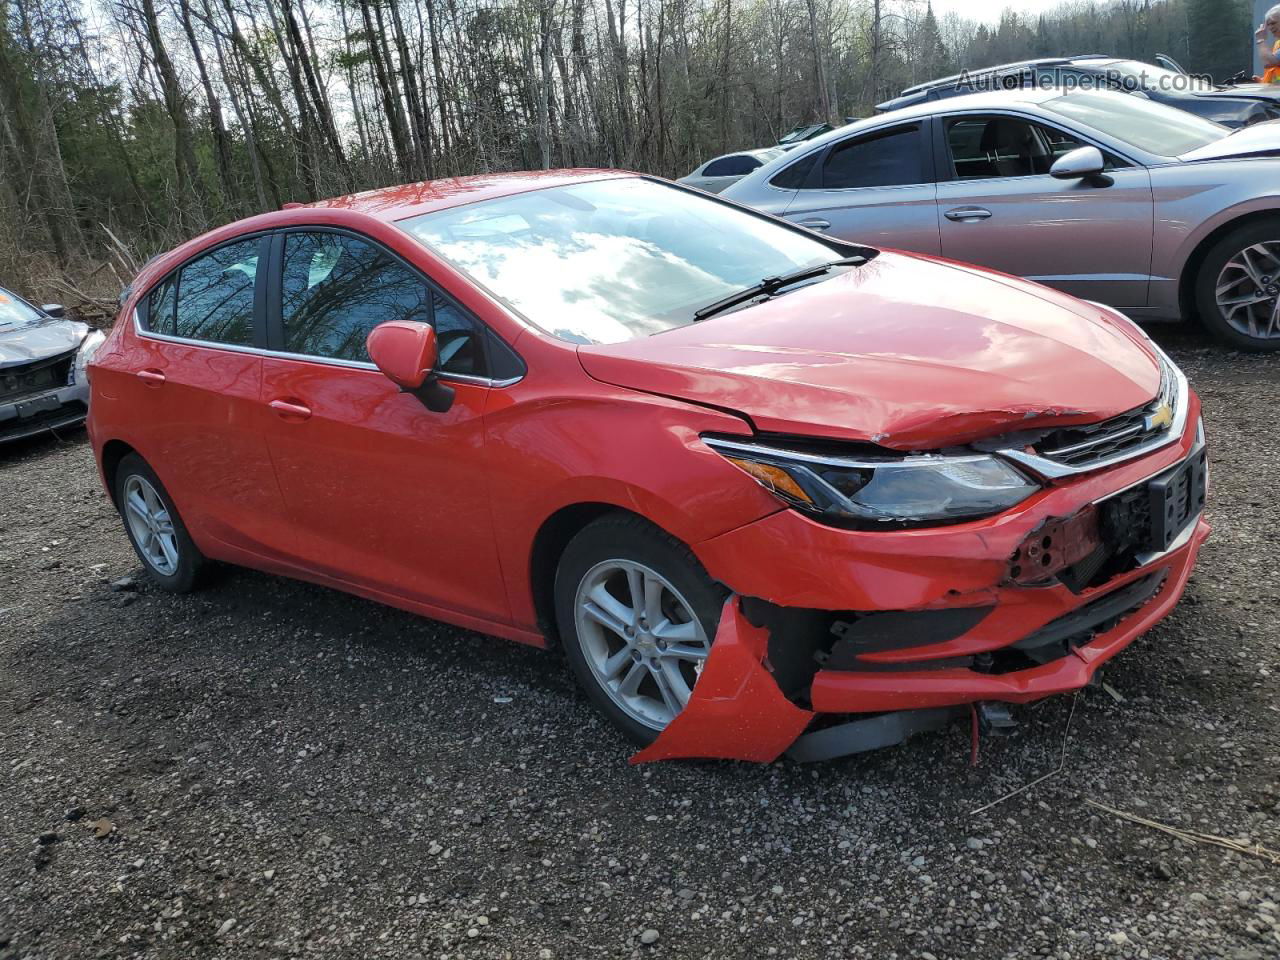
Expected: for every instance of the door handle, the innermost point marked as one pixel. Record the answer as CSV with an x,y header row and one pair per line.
x,y
151,377
967,214
815,223
289,410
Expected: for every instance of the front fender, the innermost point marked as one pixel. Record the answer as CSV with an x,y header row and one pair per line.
x,y
617,447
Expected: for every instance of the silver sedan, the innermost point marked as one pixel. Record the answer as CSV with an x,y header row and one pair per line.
x,y
720,172
1105,196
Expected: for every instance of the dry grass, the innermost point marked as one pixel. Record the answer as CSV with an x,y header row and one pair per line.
x,y
1194,836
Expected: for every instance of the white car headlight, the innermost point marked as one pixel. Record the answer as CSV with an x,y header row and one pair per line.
x,y
88,347
871,492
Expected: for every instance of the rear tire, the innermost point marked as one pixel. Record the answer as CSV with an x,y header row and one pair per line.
x,y
151,521
637,660
1238,287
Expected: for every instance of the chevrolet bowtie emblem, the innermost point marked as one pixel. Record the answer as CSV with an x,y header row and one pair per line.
x,y
1161,418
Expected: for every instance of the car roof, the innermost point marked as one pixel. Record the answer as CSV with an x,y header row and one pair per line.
x,y
411,199
987,100
1096,59
752,152
387,204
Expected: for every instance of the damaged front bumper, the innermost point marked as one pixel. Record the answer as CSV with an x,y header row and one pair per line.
x,y
902,629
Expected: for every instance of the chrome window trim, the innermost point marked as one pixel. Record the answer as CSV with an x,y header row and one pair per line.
x,y
307,358
1052,470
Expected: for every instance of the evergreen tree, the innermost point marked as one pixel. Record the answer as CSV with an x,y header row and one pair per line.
x,y
934,60
1220,38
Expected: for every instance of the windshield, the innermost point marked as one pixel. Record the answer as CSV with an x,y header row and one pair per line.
x,y
799,133
1153,127
613,260
16,313
1150,77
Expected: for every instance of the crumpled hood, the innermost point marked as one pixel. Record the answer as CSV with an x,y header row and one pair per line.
x,y
39,340
1247,91
905,351
1254,139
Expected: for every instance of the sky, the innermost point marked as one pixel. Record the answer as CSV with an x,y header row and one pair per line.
x,y
988,11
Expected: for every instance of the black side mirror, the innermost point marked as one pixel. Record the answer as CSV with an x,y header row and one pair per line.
x,y
55,310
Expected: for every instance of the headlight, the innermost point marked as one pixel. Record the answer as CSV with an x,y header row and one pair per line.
x,y
88,347
873,491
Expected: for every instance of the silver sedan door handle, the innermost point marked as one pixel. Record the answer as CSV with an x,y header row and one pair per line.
x,y
967,214
815,224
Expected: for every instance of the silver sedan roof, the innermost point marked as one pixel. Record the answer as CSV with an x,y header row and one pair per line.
x,y
1029,101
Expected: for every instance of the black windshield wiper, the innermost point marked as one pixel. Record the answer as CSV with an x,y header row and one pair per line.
x,y
773,284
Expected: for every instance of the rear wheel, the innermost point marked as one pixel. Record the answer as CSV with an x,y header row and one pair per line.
x,y
637,614
1238,287
154,527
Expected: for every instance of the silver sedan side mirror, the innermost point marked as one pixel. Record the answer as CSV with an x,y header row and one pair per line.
x,y
1079,163
55,310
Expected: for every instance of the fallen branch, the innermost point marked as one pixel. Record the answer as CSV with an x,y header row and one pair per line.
x,y
82,301
1194,836
123,253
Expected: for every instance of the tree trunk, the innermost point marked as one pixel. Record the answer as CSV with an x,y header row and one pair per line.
x,y
545,20
390,95
419,124
221,142
442,91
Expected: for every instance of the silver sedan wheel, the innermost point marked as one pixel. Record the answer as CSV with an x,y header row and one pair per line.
x,y
1248,291
641,639
151,525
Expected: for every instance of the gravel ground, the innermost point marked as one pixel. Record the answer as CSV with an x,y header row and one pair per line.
x,y
270,769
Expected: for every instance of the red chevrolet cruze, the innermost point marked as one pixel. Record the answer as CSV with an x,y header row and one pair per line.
x,y
768,491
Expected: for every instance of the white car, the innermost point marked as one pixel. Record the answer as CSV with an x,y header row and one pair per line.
x,y
714,175
42,368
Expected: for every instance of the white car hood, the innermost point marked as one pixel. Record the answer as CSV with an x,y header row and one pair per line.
x,y
1257,139
38,341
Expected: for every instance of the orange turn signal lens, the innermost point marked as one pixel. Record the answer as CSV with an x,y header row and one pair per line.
x,y
775,478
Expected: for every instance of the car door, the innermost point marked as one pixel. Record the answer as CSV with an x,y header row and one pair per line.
x,y
197,374
1000,208
875,187
384,494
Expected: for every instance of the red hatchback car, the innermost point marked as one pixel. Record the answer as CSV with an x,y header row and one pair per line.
x,y
767,490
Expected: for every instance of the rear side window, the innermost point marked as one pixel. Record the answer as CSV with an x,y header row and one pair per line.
x,y
738,166
889,159
215,295
336,288
160,306
796,176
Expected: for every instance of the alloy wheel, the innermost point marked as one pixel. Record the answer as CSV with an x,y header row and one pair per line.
x,y
641,639
1248,291
151,525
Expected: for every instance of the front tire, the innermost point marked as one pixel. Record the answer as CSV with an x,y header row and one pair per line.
x,y
637,615
159,537
1238,287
